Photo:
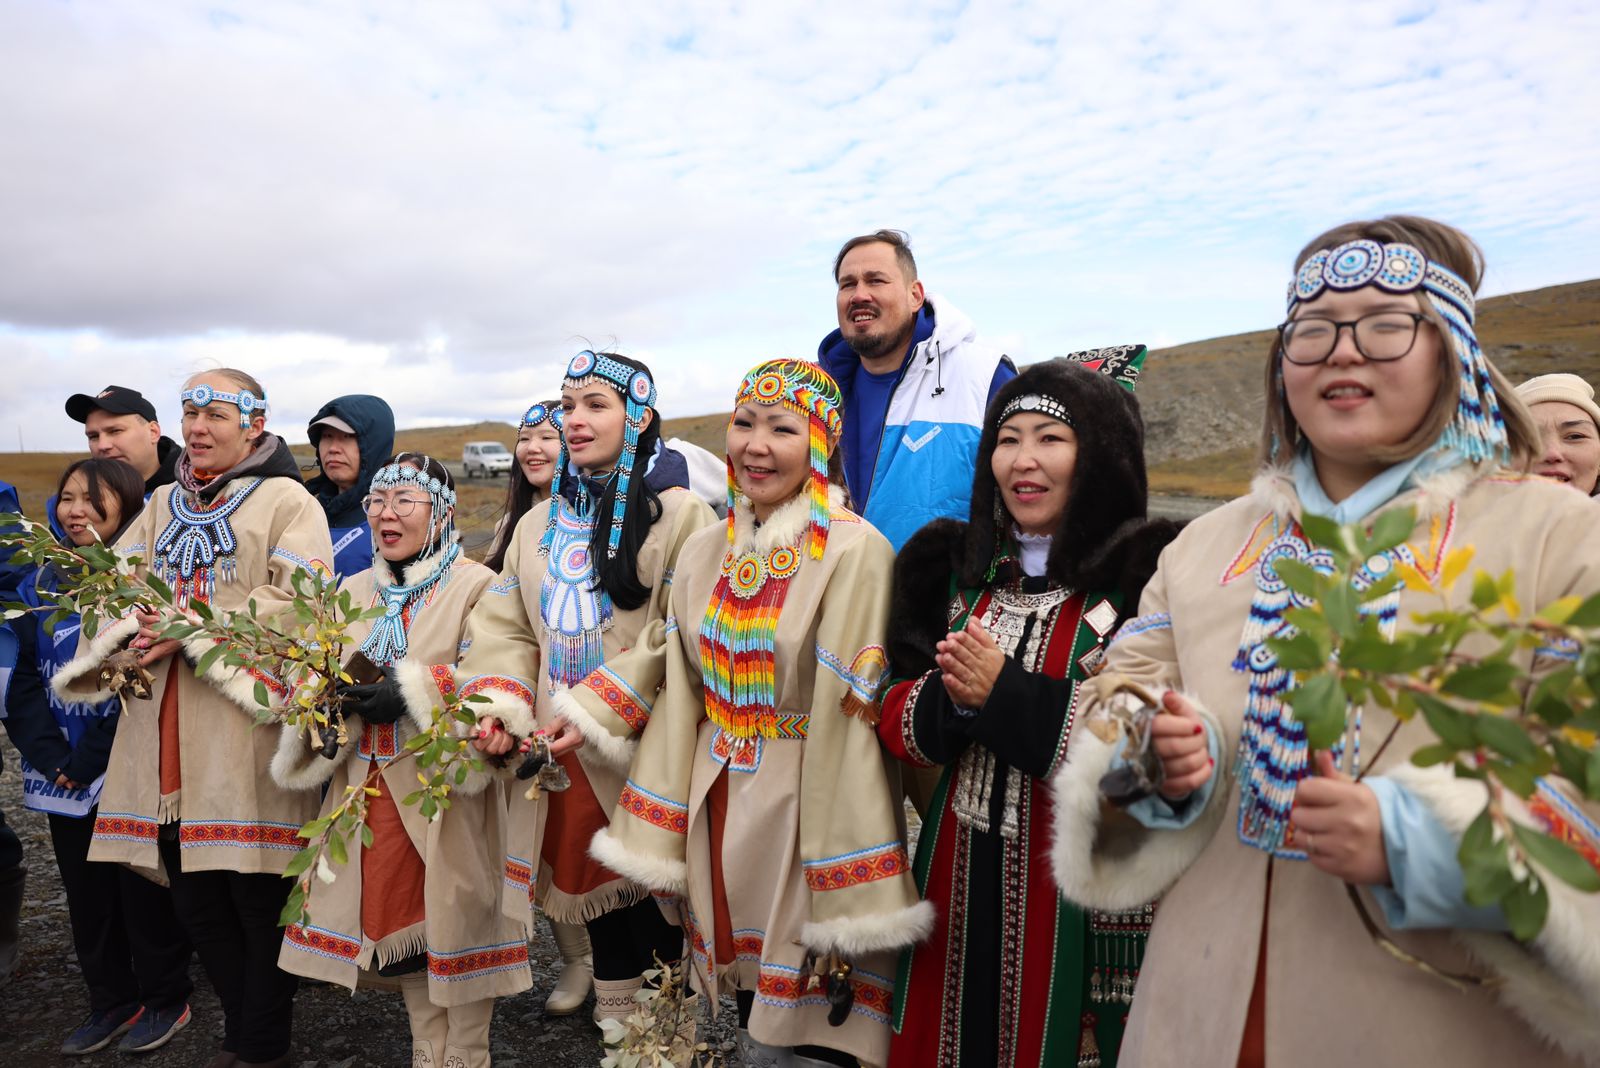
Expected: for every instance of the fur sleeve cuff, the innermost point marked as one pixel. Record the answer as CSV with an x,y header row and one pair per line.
x,y
509,700
420,691
237,684
1103,858
1554,983
610,748
855,936
663,875
79,679
296,766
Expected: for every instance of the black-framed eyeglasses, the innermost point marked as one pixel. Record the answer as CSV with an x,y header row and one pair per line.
x,y
400,506
1381,336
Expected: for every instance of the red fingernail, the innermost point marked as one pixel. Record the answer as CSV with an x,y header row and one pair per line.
x,y
1198,728
1210,763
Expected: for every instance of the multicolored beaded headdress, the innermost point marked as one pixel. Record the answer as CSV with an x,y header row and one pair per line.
x,y
809,391
402,474
1478,432
247,403
638,391
542,413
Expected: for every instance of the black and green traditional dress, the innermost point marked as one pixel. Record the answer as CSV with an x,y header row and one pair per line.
x,y
1012,974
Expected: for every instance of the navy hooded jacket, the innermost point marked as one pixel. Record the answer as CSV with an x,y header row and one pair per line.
x,y
373,422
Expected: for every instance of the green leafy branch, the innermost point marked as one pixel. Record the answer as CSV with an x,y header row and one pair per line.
x,y
301,648
1465,669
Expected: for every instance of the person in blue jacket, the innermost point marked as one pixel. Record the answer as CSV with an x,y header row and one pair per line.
x,y
916,383
12,873
353,435
132,952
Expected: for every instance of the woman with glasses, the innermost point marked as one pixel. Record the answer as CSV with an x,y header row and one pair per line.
x,y
419,903
584,579
187,789
1378,398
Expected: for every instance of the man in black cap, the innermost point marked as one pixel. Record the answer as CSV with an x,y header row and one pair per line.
x,y
121,425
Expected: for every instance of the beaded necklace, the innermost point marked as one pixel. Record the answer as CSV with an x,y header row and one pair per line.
x,y
387,643
574,608
198,545
737,639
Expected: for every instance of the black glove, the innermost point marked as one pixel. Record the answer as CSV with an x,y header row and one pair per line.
x,y
375,702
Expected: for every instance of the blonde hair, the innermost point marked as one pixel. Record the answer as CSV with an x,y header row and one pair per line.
x,y
1454,250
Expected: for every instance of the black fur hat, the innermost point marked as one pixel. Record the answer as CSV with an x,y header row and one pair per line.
x,y
1103,542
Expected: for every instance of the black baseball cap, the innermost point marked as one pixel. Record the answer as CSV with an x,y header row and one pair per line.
x,y
118,400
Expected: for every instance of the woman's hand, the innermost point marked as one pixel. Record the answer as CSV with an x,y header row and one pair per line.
x,y
156,650
1178,736
492,737
1338,823
66,783
565,739
971,662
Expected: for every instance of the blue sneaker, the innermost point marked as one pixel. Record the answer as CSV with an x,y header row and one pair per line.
x,y
96,1032
155,1029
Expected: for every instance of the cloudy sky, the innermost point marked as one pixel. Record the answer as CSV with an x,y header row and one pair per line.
x,y
439,202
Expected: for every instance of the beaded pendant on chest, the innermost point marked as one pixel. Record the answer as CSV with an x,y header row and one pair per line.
x,y
1273,754
574,609
198,546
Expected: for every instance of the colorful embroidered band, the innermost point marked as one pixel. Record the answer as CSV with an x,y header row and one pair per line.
x,y
541,413
810,392
638,391
1478,431
1036,402
247,403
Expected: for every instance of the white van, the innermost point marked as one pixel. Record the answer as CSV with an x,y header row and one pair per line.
x,y
485,458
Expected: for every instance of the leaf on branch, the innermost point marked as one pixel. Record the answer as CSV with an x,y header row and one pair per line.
x,y
1526,907
1488,681
336,850
294,909
1453,726
300,862
1557,858
1320,705
1506,737
1429,755
1455,565
1485,594
1322,531
1301,652
1392,528
1301,578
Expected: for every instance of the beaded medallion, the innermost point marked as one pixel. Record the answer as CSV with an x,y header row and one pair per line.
x,y
574,608
198,545
737,637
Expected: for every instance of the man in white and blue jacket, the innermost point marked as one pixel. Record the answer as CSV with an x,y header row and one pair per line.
x,y
916,383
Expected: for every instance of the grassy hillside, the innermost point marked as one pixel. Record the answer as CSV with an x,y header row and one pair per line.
x,y
1201,403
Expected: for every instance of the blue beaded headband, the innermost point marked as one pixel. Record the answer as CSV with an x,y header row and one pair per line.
x,y
247,403
542,413
399,475
638,391
1478,431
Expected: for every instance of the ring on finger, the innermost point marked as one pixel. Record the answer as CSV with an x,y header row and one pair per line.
x,y
1311,843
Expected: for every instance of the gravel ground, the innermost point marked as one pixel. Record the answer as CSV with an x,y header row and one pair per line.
x,y
46,998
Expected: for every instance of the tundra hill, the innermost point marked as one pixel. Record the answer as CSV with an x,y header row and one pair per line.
x,y
1201,402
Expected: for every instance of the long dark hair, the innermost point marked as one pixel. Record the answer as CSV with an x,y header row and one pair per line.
x,y
113,477
619,575
520,500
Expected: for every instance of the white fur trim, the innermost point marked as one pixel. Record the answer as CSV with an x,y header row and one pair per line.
x,y
783,527
234,683
1125,865
1554,983
419,692
85,667
296,766
610,749
664,875
854,936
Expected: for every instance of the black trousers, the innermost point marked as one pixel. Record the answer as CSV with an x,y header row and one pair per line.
x,y
131,948
10,846
232,919
626,941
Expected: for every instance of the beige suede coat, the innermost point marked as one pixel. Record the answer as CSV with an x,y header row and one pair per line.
x,y
547,861
474,951
233,816
1333,998
812,851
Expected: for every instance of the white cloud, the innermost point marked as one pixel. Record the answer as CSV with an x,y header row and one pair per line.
x,y
439,203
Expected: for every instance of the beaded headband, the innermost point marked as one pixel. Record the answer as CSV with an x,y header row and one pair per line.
x,y
1036,402
810,392
1478,431
247,403
638,391
403,475
542,413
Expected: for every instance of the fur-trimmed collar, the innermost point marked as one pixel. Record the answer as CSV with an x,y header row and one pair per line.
x,y
1273,486
383,572
783,527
